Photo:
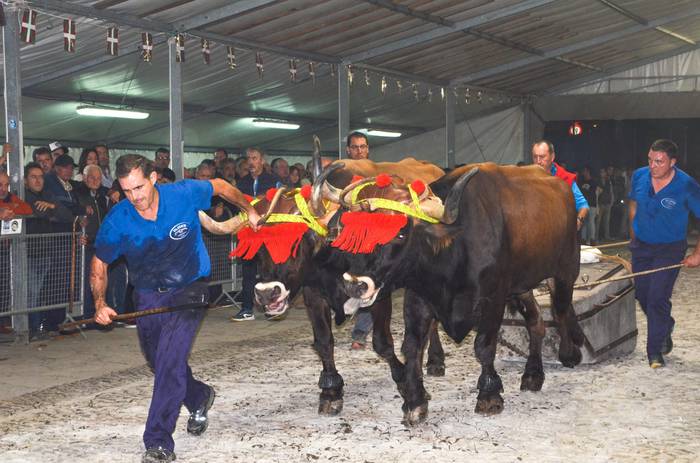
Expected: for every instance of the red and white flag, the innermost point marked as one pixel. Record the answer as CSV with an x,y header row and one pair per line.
x,y
206,51
113,41
180,48
28,30
231,57
147,46
69,35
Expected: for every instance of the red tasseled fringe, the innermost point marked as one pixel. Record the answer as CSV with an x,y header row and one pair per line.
x,y
282,240
363,231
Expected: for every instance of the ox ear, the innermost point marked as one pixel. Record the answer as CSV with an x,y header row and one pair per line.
x,y
437,238
432,205
454,198
228,227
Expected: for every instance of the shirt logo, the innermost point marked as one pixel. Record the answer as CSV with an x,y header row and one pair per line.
x,y
668,203
179,231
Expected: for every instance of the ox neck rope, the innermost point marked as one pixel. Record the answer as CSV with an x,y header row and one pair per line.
x,y
363,231
282,239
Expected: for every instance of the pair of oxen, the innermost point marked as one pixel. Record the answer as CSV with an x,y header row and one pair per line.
x,y
464,245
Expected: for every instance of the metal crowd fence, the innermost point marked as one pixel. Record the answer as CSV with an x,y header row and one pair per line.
x,y
43,272
40,272
225,273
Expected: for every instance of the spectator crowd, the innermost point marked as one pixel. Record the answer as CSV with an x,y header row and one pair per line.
x,y
63,197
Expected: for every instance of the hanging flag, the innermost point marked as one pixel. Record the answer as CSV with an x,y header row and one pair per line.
x,y
399,86
259,64
333,70
206,51
414,88
180,48
430,95
69,35
312,72
382,85
28,30
113,41
231,57
478,97
351,74
147,46
366,77
293,70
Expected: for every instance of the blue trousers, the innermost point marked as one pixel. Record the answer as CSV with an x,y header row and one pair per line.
x,y
654,291
363,325
166,340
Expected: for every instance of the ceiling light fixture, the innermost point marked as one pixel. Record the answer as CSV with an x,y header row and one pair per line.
x,y
101,111
380,133
275,124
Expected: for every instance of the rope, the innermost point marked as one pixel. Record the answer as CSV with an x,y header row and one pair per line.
x,y
73,252
626,277
610,245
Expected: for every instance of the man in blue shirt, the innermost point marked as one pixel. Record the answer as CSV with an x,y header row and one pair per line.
x,y
158,232
543,155
661,197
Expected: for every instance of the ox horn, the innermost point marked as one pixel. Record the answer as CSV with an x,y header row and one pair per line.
x,y
227,227
316,203
316,156
275,199
351,187
453,199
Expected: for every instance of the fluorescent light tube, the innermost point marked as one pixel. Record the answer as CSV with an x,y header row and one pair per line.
x,y
97,111
272,124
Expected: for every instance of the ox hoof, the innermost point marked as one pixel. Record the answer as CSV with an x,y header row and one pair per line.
x,y
330,407
490,405
435,370
571,359
416,415
532,382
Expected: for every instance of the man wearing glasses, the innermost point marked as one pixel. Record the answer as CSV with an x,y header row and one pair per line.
x,y
358,148
162,159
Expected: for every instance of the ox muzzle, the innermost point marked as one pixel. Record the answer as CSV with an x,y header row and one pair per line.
x,y
361,290
273,297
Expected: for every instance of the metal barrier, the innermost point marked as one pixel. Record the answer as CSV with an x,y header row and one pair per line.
x,y
225,272
39,273
44,272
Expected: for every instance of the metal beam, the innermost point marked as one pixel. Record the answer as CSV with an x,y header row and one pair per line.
x,y
177,142
116,17
427,17
442,31
641,20
221,14
343,108
557,52
591,78
450,103
12,78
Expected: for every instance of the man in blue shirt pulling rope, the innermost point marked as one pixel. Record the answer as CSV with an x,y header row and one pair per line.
x,y
158,232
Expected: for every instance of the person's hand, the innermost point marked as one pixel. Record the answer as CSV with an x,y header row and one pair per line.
x,y
83,240
692,260
43,206
219,210
579,223
104,315
7,214
114,196
83,221
253,218
89,210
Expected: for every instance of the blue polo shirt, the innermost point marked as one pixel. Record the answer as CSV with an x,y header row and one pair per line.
x,y
579,199
164,253
662,217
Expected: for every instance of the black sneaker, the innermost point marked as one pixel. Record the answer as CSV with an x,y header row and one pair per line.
x,y
199,421
656,361
243,316
157,455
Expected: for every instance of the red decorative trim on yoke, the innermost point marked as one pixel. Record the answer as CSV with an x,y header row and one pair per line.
x,y
281,240
363,231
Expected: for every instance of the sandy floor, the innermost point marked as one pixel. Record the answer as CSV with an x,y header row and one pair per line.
x,y
267,399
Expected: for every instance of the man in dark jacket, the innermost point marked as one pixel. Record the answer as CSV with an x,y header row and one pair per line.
x,y
49,215
255,184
